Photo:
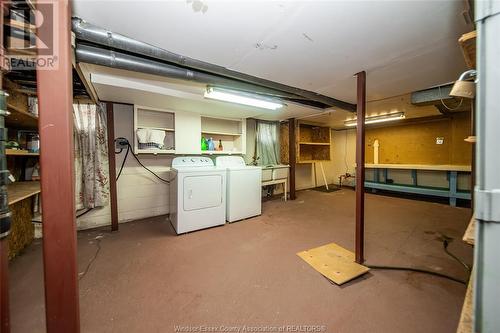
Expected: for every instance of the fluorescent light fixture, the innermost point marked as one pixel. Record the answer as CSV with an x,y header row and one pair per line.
x,y
377,119
240,97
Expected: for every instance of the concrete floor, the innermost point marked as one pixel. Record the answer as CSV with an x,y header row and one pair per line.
x,y
146,279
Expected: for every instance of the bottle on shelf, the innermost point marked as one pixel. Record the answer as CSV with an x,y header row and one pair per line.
x,y
211,145
204,144
221,148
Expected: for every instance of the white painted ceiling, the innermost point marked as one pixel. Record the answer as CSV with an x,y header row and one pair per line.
x,y
316,45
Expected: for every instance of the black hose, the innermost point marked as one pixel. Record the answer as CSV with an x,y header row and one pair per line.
x,y
417,270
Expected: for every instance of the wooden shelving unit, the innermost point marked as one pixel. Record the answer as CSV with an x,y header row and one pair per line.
x,y
155,119
19,152
231,132
467,43
314,143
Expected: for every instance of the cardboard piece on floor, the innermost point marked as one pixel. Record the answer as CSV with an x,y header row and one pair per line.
x,y
334,262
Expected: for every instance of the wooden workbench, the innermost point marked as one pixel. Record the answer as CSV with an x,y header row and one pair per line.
x,y
20,196
458,168
21,190
452,171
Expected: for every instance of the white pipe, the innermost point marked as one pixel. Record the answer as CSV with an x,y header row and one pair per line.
x,y
376,145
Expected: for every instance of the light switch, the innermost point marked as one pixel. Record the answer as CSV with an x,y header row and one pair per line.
x,y
439,140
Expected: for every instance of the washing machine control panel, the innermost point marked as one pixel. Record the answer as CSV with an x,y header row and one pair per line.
x,y
192,161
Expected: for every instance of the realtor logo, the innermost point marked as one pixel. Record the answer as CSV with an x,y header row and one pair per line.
x,y
24,46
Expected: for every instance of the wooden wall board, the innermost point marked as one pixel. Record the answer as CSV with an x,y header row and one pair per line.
x,y
416,143
22,231
334,262
284,144
470,232
465,325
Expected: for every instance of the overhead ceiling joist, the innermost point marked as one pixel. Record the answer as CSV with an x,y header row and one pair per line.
x,y
89,33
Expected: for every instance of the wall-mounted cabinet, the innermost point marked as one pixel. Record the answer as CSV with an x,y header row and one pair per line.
x,y
183,132
231,133
313,143
149,123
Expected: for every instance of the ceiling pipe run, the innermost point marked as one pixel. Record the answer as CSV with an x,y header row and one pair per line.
x,y
109,58
85,31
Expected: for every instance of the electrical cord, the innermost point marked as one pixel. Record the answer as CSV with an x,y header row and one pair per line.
x,y
417,270
123,162
445,246
85,212
98,244
446,242
446,106
129,147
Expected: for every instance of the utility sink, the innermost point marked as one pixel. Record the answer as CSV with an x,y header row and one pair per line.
x,y
274,172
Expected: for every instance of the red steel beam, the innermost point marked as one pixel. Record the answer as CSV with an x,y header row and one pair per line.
x,y
4,242
292,155
112,165
55,100
4,286
360,167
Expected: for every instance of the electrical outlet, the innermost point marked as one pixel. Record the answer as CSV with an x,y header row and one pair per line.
x,y
439,140
121,143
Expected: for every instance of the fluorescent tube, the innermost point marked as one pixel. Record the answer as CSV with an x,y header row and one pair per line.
x,y
377,119
241,98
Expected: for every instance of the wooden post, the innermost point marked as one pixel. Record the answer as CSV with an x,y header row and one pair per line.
x,y
360,167
112,165
292,156
55,98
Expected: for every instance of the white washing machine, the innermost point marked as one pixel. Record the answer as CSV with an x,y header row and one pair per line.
x,y
243,192
197,194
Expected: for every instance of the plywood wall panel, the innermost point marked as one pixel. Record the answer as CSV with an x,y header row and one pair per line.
x,y
416,143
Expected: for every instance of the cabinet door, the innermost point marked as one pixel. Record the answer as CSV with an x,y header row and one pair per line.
x,y
187,133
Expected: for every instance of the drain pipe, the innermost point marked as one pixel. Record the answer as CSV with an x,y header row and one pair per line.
x,y
85,31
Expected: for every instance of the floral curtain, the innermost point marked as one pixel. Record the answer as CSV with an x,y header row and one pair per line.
x,y
268,149
91,156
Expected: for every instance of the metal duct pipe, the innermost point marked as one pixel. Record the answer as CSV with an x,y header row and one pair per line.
x,y
91,33
110,58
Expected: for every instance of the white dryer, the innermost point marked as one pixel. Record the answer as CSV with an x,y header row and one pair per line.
x,y
197,194
244,192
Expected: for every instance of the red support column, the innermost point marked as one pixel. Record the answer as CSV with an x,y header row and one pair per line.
x,y
57,177
4,242
292,156
360,167
112,165
4,286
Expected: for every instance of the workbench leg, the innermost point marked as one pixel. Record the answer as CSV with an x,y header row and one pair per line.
x,y
452,176
386,173
376,178
414,177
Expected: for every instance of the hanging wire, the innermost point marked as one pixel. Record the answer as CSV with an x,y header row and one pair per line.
x,y
446,106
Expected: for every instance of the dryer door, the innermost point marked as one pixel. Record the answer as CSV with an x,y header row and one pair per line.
x,y
202,191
